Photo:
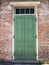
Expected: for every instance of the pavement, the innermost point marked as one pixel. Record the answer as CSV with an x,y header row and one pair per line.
x,y
18,64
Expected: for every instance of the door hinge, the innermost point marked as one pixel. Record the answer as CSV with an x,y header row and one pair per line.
x,y
13,36
13,19
36,36
36,19
36,54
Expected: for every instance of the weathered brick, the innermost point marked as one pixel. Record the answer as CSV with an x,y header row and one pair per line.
x,y
6,32
43,31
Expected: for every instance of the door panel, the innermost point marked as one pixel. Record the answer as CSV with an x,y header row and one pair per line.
x,y
25,37
30,44
19,37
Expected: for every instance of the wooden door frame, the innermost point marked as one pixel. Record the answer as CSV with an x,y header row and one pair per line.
x,y
31,4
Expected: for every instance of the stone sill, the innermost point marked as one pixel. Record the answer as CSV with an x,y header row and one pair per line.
x,y
25,61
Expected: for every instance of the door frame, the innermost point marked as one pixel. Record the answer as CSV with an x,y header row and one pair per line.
x,y
36,13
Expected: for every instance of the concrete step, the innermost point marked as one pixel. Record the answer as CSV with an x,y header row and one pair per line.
x,y
20,62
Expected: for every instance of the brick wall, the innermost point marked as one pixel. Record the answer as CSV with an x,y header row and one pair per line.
x,y
6,31
43,30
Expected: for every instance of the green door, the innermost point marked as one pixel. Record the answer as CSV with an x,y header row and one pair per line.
x,y
25,37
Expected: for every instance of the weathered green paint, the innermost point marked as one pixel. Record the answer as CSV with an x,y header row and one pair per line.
x,y
25,37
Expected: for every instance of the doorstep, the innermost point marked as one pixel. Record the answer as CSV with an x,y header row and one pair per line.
x,y
25,61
